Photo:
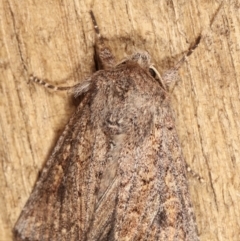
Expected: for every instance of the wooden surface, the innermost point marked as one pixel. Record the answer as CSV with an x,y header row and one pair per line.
x,y
54,40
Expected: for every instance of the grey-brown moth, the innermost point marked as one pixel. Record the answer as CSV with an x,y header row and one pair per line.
x,y
117,172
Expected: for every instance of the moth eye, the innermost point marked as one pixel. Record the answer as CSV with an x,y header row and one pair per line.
x,y
152,73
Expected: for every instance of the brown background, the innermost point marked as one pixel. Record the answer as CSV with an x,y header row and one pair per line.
x,y
54,40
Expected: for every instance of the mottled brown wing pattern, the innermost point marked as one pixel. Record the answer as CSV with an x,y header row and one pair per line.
x,y
53,209
152,198
117,172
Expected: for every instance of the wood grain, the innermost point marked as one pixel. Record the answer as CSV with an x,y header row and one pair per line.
x,y
54,40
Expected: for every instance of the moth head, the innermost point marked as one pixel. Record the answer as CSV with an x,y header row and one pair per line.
x,y
141,57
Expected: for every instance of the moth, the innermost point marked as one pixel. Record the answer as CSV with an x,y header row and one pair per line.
x,y
117,172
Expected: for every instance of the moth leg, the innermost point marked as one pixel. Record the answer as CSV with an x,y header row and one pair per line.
x,y
105,58
171,75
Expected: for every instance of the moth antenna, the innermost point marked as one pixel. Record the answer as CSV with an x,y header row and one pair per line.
x,y
47,85
189,52
171,76
96,26
105,58
197,41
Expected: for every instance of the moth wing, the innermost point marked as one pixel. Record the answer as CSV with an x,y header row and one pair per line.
x,y
63,201
152,199
117,172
